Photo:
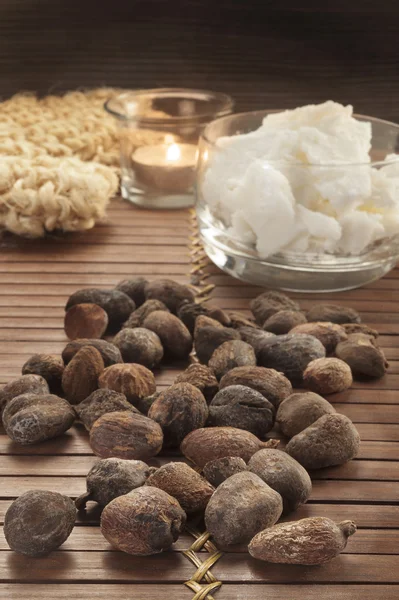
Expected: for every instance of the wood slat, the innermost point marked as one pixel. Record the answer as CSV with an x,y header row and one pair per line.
x,y
173,566
78,591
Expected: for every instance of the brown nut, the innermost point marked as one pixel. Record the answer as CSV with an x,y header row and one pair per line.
x,y
27,384
112,477
300,410
362,355
179,409
134,288
38,522
183,483
254,337
240,507
100,403
85,321
48,366
31,418
274,386
312,541
329,334
116,304
291,354
331,440
283,321
208,338
242,407
145,521
110,353
81,375
140,346
125,435
238,320
134,381
333,313
284,475
174,335
203,445
201,377
219,315
267,304
169,292
206,321
218,470
138,317
229,355
359,328
189,312
327,376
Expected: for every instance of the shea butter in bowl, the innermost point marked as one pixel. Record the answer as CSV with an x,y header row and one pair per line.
x,y
302,200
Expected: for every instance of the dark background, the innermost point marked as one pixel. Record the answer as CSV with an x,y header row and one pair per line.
x,y
266,54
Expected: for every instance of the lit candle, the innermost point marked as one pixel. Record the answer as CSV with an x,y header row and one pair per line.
x,y
170,168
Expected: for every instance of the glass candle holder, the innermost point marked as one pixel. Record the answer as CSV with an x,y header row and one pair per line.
x,y
159,131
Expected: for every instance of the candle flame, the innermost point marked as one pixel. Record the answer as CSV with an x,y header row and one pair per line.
x,y
173,153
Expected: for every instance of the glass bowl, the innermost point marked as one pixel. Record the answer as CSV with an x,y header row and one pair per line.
x,y
159,131
352,239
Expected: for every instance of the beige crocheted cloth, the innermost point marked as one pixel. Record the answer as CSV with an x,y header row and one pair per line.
x,y
58,162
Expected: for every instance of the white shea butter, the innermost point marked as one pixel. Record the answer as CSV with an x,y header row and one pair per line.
x,y
304,182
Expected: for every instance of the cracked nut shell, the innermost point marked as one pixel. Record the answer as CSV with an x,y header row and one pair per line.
x,y
201,377
126,434
192,491
38,522
100,403
112,477
274,386
291,354
109,353
300,410
229,355
242,407
331,440
312,541
145,521
203,445
240,507
140,346
178,410
327,376
174,335
81,375
32,418
218,470
284,474
134,381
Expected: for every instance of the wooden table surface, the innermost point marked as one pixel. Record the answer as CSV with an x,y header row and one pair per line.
x,y
35,280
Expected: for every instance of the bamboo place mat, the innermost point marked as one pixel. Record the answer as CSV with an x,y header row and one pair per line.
x,y
36,278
